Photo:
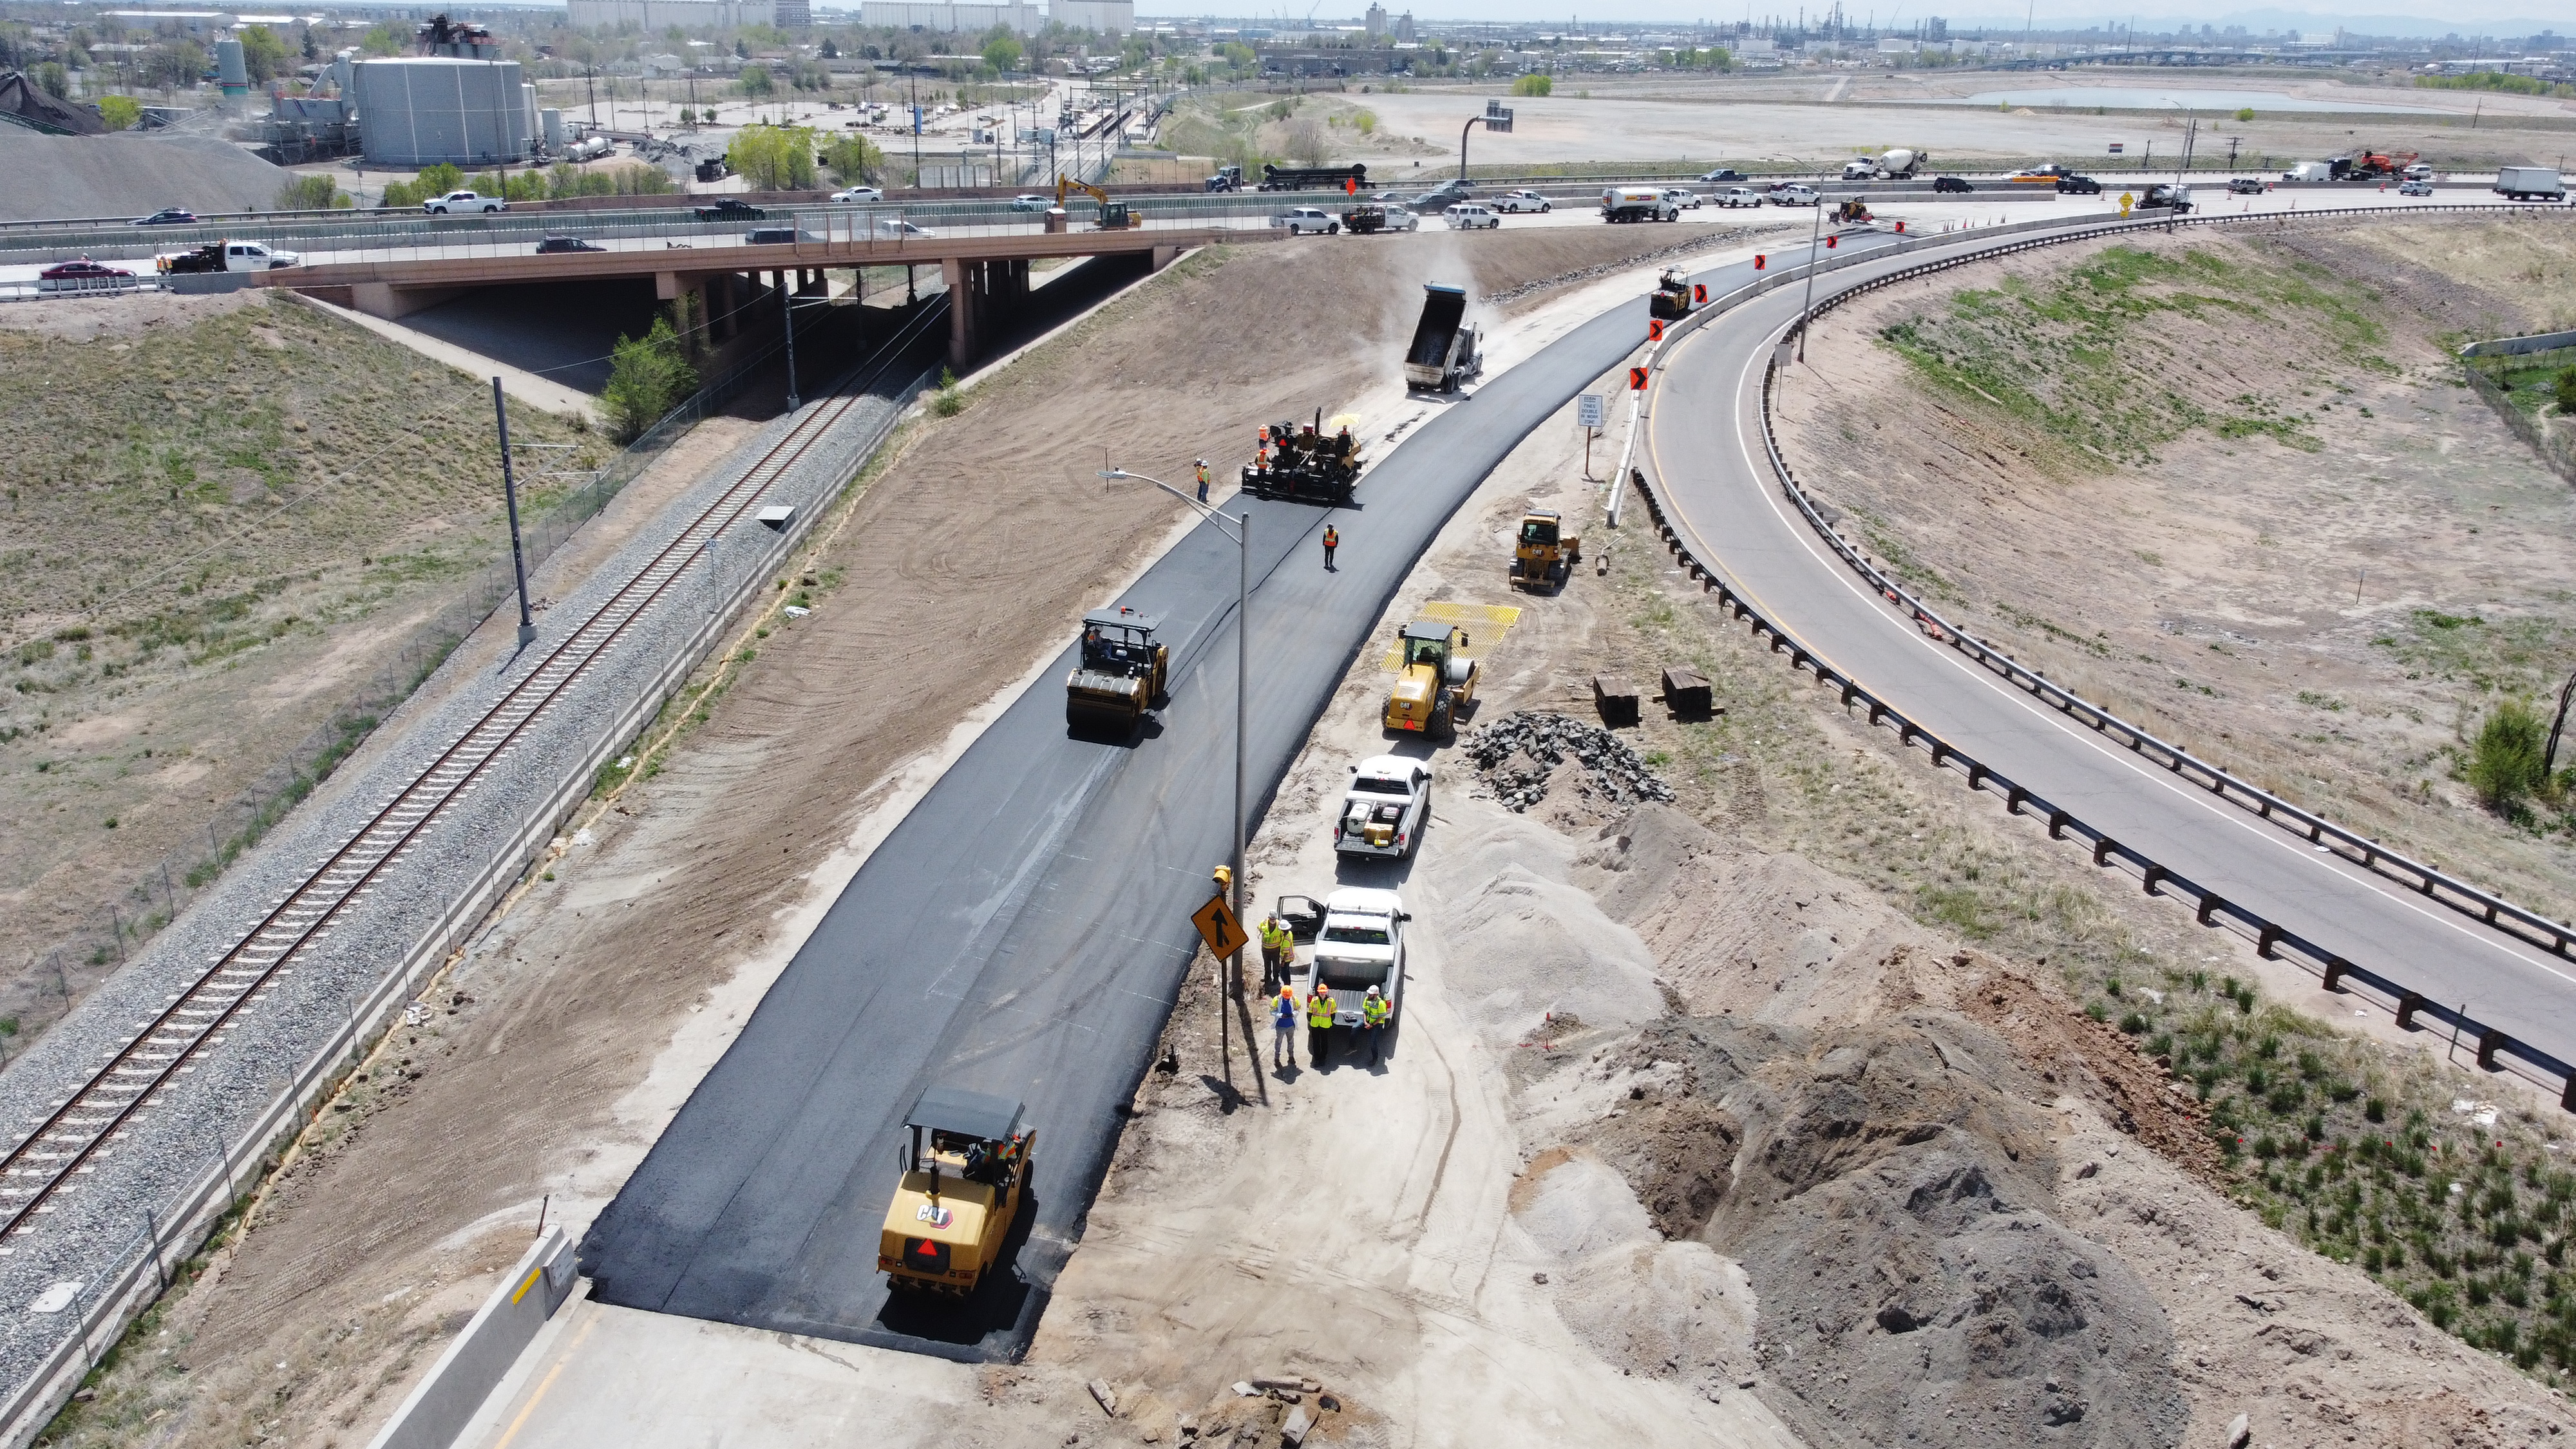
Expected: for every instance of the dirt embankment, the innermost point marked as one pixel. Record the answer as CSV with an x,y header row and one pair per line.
x,y
225,515
2232,491
582,1020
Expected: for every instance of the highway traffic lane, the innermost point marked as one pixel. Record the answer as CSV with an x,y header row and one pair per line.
x,y
1024,929
1707,449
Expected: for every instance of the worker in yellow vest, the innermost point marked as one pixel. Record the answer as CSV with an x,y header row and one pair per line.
x,y
1278,950
1373,1014
1319,1022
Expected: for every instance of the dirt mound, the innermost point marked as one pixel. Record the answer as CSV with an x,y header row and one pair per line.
x,y
2098,1062
129,174
1894,1208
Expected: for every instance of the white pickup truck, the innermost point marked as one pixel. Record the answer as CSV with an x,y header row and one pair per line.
x,y
459,203
1385,808
1360,946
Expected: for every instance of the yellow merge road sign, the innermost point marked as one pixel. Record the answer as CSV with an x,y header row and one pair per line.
x,y
1218,927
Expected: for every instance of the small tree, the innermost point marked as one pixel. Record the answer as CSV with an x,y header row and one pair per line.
x,y
2504,760
853,159
754,80
120,112
1533,85
647,377
773,158
2566,389
263,54
318,191
53,80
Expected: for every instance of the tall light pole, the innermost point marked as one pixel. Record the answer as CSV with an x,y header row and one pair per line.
x,y
510,495
1241,532
1807,309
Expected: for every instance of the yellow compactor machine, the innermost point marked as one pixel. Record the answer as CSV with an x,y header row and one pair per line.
x,y
1435,681
1122,672
965,1174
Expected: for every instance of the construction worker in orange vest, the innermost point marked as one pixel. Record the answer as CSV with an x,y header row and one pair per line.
x,y
1283,1028
1332,540
1319,1021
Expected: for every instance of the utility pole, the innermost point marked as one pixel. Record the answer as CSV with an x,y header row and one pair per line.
x,y
510,494
1807,308
787,309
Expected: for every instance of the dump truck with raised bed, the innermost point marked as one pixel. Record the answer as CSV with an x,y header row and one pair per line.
x,y
1434,681
964,1172
1121,673
1303,463
1443,354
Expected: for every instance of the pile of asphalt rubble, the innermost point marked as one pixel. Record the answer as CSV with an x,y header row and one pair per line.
x,y
1519,753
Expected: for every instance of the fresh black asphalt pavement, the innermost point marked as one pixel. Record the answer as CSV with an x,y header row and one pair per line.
x,y
1025,929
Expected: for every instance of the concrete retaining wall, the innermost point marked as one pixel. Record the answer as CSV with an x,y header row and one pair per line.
x,y
464,1376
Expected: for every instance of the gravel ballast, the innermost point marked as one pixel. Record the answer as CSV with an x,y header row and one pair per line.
x,y
97,1227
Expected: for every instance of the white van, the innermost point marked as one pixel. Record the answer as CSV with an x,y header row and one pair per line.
x,y
1470,216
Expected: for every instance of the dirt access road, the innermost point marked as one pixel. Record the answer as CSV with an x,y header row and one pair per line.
x,y
581,1021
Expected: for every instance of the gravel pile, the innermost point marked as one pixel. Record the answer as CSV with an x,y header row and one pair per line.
x,y
204,1117
129,174
1519,753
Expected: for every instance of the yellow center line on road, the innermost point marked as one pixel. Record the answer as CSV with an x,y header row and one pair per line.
x,y
548,1382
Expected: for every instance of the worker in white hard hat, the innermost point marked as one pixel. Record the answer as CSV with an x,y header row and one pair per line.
x,y
1374,1012
1203,479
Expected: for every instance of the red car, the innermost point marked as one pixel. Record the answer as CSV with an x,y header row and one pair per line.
x,y
83,275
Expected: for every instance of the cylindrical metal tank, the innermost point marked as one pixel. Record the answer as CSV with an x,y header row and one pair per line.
x,y
554,132
420,111
231,74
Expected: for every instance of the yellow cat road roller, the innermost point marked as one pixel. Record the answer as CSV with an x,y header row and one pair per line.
x,y
1434,681
965,1173
1121,674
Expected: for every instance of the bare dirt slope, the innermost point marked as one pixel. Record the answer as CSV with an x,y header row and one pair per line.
x,y
2234,493
1736,1121
224,515
956,570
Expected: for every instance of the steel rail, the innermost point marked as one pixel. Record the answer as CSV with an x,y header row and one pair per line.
x,y
97,1112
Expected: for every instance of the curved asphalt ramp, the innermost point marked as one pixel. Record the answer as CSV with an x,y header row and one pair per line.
x,y
1025,929
127,174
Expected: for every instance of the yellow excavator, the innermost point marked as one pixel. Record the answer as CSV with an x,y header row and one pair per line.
x,y
1434,683
1113,215
965,1174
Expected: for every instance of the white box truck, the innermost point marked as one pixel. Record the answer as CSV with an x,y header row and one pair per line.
x,y
2530,183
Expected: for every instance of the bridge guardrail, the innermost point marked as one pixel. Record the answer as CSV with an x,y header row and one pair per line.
x,y
2496,1049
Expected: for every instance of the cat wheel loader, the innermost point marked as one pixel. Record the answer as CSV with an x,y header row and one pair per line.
x,y
1546,553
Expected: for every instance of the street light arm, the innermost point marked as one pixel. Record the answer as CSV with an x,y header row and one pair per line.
x,y
1118,475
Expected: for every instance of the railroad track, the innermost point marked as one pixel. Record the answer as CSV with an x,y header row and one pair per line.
x,y
98,1111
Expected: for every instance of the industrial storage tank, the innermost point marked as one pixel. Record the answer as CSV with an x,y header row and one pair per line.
x,y
424,110
232,73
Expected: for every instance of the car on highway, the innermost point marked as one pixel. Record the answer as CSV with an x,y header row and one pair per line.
x,y
83,275
166,216
1739,196
2244,186
1725,173
1031,201
1521,201
2078,186
773,236
1384,808
727,208
2039,175
1361,945
556,244
1470,216
895,228
1306,221
1793,194
1950,183
1441,195
459,202
2420,171
2415,188
858,194
1682,198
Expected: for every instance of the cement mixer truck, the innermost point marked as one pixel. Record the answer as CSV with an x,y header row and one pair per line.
x,y
1897,165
